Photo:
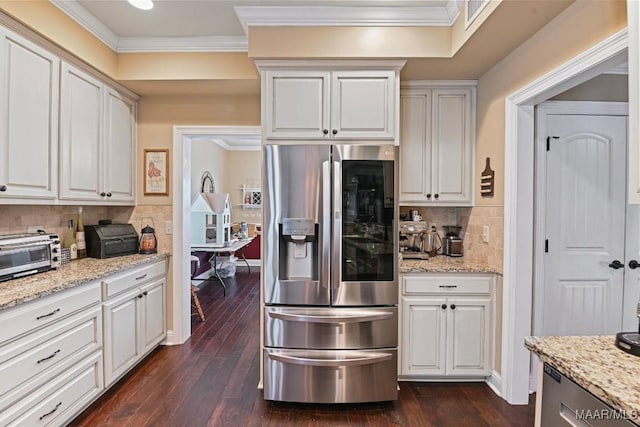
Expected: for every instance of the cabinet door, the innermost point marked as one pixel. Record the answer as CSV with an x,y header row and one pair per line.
x,y
469,336
423,345
81,102
452,163
29,88
415,147
363,104
153,314
296,105
119,148
122,348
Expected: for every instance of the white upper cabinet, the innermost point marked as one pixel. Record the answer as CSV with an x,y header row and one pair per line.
x,y
80,135
329,101
437,145
120,147
299,104
29,82
97,141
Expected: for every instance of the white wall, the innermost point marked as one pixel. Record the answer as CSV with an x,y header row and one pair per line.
x,y
209,156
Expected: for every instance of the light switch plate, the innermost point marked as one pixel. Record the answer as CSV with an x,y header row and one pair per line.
x,y
168,227
485,233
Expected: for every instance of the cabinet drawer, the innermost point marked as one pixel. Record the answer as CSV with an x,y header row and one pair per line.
x,y
42,312
132,278
60,399
447,284
22,360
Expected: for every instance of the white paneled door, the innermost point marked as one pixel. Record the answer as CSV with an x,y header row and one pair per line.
x,y
585,225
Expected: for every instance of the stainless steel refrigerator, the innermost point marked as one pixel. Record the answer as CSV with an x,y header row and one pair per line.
x,y
330,273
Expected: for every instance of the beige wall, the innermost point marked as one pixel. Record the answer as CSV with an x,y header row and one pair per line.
x,y
604,88
580,26
208,156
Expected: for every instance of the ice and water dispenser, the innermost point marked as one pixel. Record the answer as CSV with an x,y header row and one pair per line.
x,y
298,249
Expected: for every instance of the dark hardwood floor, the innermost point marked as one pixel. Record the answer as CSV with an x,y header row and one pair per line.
x,y
211,381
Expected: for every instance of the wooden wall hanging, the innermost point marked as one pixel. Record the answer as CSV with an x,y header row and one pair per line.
x,y
487,178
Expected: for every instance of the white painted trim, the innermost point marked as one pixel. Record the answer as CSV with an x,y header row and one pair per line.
x,y
379,16
181,184
468,20
169,339
518,203
437,83
229,147
622,69
183,44
495,382
330,64
88,21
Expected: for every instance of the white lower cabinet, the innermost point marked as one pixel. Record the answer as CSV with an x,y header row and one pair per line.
x,y
59,353
446,325
134,324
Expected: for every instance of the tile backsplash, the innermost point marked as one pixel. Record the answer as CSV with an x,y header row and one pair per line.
x,y
53,219
471,220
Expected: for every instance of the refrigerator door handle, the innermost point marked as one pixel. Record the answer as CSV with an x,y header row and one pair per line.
x,y
350,359
337,231
359,317
325,261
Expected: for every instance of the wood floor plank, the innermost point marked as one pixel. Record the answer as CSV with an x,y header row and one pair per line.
x,y
211,380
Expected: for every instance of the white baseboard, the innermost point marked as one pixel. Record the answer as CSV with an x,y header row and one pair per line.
x,y
168,340
495,383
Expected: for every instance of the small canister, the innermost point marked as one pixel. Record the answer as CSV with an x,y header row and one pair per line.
x,y
244,230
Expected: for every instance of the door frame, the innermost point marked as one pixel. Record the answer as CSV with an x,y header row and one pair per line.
x,y
540,168
519,206
181,183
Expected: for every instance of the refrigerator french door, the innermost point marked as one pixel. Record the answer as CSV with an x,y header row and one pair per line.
x,y
330,273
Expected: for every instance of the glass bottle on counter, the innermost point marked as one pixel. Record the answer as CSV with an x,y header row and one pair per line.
x,y
80,241
69,240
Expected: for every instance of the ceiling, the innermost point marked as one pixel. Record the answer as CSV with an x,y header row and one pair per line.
x,y
221,25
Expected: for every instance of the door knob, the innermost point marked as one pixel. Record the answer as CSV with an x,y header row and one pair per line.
x,y
616,264
633,264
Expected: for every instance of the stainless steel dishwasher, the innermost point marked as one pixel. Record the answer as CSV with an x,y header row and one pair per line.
x,y
565,403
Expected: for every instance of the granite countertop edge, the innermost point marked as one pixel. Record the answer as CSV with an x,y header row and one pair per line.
x,y
19,291
445,264
606,384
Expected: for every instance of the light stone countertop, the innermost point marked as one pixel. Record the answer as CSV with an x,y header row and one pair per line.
x,y
444,264
597,365
77,272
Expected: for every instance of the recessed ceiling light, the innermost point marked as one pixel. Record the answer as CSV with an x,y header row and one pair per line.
x,y
142,4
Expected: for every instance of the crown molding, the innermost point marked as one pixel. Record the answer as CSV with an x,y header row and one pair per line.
x,y
437,16
88,21
183,44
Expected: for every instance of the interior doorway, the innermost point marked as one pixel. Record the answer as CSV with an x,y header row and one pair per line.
x,y
183,137
519,202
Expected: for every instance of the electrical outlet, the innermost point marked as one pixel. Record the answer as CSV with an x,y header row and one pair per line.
x,y
485,233
168,227
34,228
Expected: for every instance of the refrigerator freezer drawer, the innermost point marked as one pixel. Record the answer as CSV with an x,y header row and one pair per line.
x,y
330,376
331,328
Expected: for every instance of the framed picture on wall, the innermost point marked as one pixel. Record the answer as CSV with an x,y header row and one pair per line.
x,y
156,172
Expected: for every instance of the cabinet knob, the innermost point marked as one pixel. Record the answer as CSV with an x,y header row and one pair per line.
x,y
435,196
335,131
452,306
443,306
633,264
145,293
428,195
108,194
3,188
103,194
325,131
140,296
